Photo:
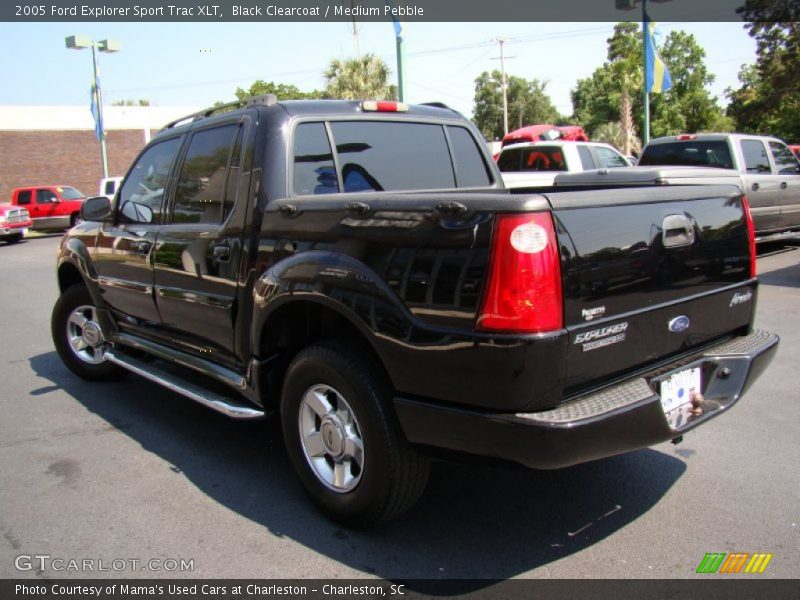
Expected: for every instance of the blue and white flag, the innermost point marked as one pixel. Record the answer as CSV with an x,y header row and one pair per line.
x,y
94,107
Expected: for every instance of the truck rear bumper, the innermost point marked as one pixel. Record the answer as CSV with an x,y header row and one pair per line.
x,y
620,418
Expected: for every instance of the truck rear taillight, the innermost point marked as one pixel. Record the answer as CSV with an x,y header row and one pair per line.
x,y
751,235
523,294
383,106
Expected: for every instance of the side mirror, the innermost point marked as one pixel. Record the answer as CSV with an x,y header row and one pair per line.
x,y
96,208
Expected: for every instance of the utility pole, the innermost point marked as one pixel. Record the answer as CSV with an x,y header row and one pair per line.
x,y
355,29
645,42
504,83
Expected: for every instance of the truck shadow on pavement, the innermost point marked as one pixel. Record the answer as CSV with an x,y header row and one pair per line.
x,y
474,522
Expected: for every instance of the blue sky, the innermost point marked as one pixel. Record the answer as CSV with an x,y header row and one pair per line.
x,y
196,64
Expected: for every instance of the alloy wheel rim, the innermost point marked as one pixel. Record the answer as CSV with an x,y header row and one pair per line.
x,y
330,437
85,336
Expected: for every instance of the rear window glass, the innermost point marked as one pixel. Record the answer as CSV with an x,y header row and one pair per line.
x,y
532,158
385,156
24,197
693,154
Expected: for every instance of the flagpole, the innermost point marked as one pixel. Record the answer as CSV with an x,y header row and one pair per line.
x,y
401,75
645,36
99,100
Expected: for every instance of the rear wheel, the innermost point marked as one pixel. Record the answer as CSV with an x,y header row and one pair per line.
x,y
13,239
343,438
79,338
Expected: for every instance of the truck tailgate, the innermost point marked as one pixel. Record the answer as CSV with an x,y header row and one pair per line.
x,y
649,275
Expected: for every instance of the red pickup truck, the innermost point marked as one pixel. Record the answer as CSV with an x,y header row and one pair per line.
x,y
50,206
14,223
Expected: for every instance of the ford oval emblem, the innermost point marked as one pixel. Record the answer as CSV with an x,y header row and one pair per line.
x,y
679,324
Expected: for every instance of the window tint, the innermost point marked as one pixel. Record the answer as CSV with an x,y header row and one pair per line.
x,y
587,160
471,170
755,157
692,153
532,158
314,172
142,192
609,159
46,197
68,193
24,197
391,156
201,181
785,161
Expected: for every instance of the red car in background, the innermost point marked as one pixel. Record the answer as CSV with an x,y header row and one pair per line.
x,y
796,149
50,206
544,133
14,223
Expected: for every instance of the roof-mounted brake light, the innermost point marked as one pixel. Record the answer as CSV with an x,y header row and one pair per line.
x,y
686,136
384,106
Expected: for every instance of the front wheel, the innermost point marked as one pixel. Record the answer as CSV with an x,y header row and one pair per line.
x,y
78,337
343,438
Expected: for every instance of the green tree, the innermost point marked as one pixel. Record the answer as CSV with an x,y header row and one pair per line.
x,y
687,107
768,99
140,102
283,91
365,78
614,134
528,103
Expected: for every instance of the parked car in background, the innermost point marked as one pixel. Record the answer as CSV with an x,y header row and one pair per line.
x,y
796,149
769,170
545,133
536,164
50,206
14,223
108,187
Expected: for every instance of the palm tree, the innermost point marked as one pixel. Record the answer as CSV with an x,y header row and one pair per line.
x,y
362,78
614,133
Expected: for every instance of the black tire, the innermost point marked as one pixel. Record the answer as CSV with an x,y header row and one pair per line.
x,y
391,476
76,299
13,239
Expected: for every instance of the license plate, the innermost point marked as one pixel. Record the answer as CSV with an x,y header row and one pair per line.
x,y
676,395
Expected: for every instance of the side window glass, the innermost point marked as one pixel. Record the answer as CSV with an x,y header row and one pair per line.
x,y
470,168
610,159
314,172
24,197
785,161
142,192
201,182
45,197
587,160
755,157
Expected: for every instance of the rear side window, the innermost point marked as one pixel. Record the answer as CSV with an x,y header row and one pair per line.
x,y
609,159
785,161
46,197
201,183
755,157
532,158
692,154
24,197
142,192
471,170
587,160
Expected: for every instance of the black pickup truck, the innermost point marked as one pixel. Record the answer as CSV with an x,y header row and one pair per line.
x,y
358,269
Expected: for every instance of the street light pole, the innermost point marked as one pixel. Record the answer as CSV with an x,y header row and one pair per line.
x,y
79,42
645,35
98,100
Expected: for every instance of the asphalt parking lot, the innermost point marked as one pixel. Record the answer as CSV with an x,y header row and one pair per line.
x,y
129,471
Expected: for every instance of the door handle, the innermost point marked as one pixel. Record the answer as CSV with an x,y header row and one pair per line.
x,y
784,185
755,187
222,252
143,247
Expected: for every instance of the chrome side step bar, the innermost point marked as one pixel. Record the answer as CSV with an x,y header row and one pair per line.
x,y
227,406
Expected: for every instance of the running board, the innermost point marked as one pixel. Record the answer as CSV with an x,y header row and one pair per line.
x,y
223,404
